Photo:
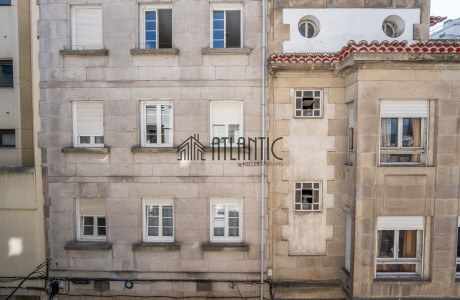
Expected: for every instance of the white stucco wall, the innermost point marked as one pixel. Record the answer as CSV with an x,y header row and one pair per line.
x,y
339,26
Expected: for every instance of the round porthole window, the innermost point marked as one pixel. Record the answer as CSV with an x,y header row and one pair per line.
x,y
309,27
393,26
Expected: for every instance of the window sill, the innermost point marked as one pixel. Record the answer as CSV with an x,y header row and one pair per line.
x,y
222,246
16,170
87,245
232,51
93,52
153,150
154,245
403,165
94,150
164,51
401,279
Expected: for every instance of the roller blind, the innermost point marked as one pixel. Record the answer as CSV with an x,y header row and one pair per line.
x,y
88,27
92,207
404,108
226,112
400,223
89,117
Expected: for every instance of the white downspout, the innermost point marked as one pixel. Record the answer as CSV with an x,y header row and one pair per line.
x,y
262,168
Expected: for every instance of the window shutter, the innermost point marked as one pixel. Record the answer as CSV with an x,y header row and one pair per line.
x,y
404,108
226,112
92,207
90,118
88,27
400,223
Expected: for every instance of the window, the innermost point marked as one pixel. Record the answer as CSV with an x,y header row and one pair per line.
x,y
403,131
88,123
308,196
226,25
226,121
308,103
393,26
5,2
91,221
7,138
308,26
86,27
351,125
399,246
156,124
6,73
458,250
226,220
155,27
158,220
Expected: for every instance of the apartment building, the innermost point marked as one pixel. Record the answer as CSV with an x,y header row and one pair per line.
x,y
140,104
22,238
366,205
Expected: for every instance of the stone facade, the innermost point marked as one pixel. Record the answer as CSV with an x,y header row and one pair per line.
x,y
124,174
361,188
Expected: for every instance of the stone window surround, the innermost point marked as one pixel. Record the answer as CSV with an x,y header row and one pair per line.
x,y
160,238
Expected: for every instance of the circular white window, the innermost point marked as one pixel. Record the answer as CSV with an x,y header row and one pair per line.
x,y
393,26
309,26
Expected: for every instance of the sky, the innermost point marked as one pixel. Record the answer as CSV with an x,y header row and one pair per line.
x,y
445,8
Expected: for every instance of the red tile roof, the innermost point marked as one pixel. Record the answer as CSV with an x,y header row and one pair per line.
x,y
435,20
432,46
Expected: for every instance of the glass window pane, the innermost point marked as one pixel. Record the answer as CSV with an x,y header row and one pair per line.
x,y
99,139
310,30
233,231
218,231
219,15
233,28
386,243
407,243
153,231
167,211
150,15
88,230
396,268
167,231
165,28
8,139
153,221
400,158
218,35
101,231
218,24
458,242
412,132
152,211
6,75
219,131
167,222
302,29
85,139
389,132
219,220
218,44
234,131
151,27
100,221
88,221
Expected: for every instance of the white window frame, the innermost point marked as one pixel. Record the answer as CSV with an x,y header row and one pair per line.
x,y
422,150
211,124
321,103
146,8
76,136
157,202
72,24
80,224
142,118
400,224
225,7
320,200
226,202
457,260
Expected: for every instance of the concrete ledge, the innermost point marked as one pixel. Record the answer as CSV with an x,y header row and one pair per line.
x,y
401,279
153,150
230,51
152,245
86,150
310,283
222,246
93,52
16,170
79,245
167,51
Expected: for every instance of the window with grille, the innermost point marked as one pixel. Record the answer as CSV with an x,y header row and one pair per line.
x,y
308,196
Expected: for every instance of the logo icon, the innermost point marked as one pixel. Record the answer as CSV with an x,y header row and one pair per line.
x,y
191,149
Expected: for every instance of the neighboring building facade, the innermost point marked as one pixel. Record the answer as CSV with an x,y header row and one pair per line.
x,y
123,85
450,29
22,239
367,203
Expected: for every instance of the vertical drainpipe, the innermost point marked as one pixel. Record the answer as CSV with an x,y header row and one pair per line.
x,y
262,168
